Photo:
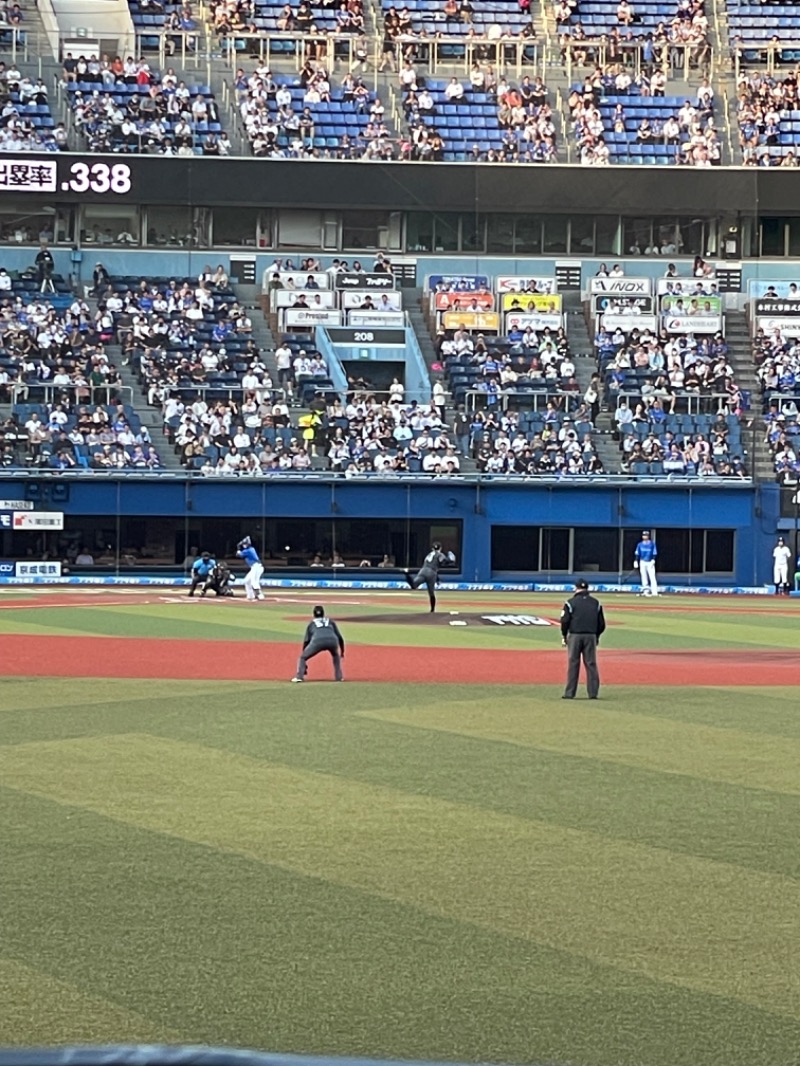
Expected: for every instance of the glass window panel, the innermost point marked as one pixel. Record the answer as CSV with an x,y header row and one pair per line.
x,y
236,226
606,241
528,234
365,229
500,233
555,233
666,236
177,227
692,237
772,237
446,232
581,240
515,548
28,223
110,224
794,236
637,234
675,555
473,233
719,551
419,231
595,550
555,549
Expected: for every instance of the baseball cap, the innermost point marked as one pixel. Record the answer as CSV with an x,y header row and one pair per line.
x,y
319,611
645,532
581,584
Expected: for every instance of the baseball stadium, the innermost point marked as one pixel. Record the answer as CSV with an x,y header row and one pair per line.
x,y
442,358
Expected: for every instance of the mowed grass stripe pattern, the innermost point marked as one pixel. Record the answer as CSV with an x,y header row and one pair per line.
x,y
633,626
73,1015
732,756
581,893
220,949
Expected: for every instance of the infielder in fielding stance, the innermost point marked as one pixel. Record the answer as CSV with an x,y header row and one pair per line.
x,y
645,558
322,634
252,581
429,571
781,556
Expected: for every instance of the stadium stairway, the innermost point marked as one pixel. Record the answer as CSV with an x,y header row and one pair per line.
x,y
412,298
740,352
150,416
582,349
248,297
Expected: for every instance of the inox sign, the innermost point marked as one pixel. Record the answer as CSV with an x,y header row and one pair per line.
x,y
620,286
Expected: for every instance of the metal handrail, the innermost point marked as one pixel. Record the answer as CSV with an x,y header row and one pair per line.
x,y
692,400
52,393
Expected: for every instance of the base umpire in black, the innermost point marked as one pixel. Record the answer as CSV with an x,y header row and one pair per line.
x,y
322,634
582,625
429,571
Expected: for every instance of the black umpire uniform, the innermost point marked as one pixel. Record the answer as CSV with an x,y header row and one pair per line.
x,y
429,571
582,625
322,634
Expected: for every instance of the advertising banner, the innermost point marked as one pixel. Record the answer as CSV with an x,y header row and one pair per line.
x,y
532,320
16,505
463,301
6,519
623,305
488,320
628,322
319,301
773,290
376,318
686,287
690,306
787,327
384,301
774,308
298,280
620,286
376,282
24,520
691,324
39,569
296,316
456,282
524,283
544,303
7,568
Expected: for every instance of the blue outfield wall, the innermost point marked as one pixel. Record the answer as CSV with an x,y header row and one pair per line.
x,y
752,511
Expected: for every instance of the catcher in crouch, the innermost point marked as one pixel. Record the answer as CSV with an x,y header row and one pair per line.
x,y
218,581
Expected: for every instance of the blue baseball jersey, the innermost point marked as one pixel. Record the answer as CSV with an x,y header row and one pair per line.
x,y
646,551
250,555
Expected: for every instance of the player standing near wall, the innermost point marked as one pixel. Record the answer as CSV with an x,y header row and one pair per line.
x,y
252,581
645,558
781,555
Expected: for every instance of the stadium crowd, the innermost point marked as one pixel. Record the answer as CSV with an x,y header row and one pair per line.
x,y
763,102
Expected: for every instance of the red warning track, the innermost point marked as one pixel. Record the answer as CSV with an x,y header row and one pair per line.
x,y
31,656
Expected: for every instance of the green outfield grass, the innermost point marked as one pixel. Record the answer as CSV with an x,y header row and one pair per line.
x,y
458,871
